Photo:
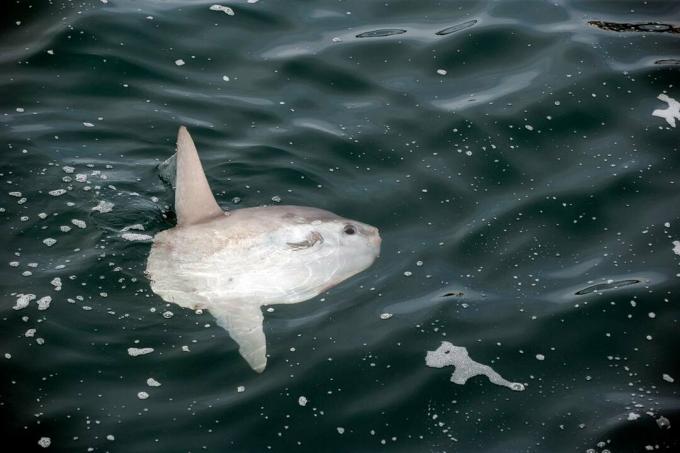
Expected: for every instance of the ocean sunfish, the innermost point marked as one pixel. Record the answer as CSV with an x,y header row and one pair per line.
x,y
233,263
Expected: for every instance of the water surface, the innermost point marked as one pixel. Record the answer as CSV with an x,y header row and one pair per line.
x,y
527,200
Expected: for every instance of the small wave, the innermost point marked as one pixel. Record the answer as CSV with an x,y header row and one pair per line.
x,y
668,61
606,286
648,27
455,28
381,33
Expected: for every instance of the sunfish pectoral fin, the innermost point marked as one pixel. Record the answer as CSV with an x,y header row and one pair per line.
x,y
194,201
244,324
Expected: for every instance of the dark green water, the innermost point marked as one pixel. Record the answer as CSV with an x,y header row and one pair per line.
x,y
530,180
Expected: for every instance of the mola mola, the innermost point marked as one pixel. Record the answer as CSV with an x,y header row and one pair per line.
x,y
233,263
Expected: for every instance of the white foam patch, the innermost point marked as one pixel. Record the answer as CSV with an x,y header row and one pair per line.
x,y
104,206
134,352
79,223
676,247
450,355
151,382
23,300
56,282
670,113
44,303
136,226
136,237
228,11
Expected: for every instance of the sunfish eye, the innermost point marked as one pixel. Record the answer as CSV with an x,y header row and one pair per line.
x,y
349,229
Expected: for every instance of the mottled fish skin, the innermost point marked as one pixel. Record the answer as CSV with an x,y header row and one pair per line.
x,y
234,263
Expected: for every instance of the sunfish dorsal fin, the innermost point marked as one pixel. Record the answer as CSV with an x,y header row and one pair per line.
x,y
194,201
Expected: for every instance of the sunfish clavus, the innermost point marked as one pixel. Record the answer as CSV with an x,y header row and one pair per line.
x,y
233,263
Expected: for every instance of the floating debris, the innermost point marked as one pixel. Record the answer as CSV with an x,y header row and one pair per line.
x,y
670,113
455,28
134,352
449,355
45,442
647,27
606,286
302,401
386,315
442,72
151,382
454,294
57,192
381,33
228,11
667,378
49,241
241,389
142,395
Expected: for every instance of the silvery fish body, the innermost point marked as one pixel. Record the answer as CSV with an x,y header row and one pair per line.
x,y
234,263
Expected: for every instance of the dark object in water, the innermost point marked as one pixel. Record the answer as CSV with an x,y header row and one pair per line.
x,y
648,27
455,28
456,294
380,33
669,61
605,286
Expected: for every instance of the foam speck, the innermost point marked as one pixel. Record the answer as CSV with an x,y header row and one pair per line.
x,y
44,303
228,11
56,282
23,300
79,223
136,237
104,206
676,247
449,355
134,352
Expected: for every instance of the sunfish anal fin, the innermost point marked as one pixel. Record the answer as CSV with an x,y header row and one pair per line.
x,y
244,324
194,201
